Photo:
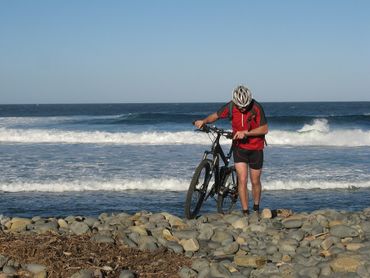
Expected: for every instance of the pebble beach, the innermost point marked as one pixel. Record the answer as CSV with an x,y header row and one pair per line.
x,y
323,243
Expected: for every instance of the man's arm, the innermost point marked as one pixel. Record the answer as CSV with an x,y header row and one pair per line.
x,y
261,130
209,119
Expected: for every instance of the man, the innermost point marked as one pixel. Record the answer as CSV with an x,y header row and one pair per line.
x,y
249,127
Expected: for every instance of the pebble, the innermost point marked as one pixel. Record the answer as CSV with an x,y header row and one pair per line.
x,y
324,243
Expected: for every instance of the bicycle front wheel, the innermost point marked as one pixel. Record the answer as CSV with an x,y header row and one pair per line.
x,y
228,194
198,188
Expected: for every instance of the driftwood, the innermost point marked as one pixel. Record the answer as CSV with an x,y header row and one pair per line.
x,y
66,255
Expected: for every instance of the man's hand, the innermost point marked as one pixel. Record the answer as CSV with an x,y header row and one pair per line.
x,y
199,123
240,135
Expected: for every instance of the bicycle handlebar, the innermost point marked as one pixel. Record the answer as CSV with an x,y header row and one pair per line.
x,y
208,129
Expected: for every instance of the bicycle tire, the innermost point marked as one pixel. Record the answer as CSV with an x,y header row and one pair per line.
x,y
197,190
228,194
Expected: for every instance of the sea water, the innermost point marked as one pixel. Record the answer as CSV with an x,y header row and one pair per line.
x,y
85,159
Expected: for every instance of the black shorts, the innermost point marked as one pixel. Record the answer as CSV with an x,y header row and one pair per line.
x,y
252,157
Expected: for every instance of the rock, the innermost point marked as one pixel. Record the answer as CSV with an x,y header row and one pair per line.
x,y
175,247
266,213
84,273
46,227
199,264
9,270
250,261
185,234
79,228
126,274
292,223
297,235
174,221
309,272
346,264
147,243
167,235
222,235
205,231
35,268
3,260
343,231
42,274
186,272
102,239
231,248
327,243
257,228
19,224
139,229
90,221
354,246
62,224
240,223
190,244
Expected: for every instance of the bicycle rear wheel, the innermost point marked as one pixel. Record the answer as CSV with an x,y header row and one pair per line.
x,y
198,188
228,194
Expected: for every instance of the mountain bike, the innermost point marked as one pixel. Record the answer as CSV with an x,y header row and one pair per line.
x,y
212,180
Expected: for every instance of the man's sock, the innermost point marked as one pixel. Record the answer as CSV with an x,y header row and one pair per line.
x,y
256,207
246,211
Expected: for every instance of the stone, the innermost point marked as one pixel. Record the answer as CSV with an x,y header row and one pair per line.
x,y
354,246
250,261
345,264
174,221
199,264
138,229
46,227
41,274
186,272
126,274
83,273
231,248
79,228
62,224
292,223
175,247
9,270
327,243
3,260
185,234
190,244
19,224
204,273
147,243
102,238
205,231
222,235
240,223
266,213
35,268
167,235
343,231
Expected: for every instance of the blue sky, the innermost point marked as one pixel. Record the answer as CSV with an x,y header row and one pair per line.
x,y
183,51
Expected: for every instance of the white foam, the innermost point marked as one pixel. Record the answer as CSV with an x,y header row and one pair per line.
x,y
170,184
320,125
316,134
293,184
164,184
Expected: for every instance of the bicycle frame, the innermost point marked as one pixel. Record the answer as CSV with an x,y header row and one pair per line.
x,y
217,152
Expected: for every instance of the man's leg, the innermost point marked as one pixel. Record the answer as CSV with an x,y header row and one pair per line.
x,y
242,172
256,185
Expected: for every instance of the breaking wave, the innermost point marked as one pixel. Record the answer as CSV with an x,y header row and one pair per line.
x,y
163,184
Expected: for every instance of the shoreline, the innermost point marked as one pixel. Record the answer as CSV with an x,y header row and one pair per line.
x,y
322,243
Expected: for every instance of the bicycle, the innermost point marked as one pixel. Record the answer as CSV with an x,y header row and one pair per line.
x,y
223,179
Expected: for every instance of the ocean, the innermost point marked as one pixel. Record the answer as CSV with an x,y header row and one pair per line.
x,y
85,159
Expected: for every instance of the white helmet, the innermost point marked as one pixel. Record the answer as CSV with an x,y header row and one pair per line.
x,y
242,96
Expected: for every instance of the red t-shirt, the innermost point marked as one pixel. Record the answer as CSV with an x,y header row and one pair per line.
x,y
252,118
